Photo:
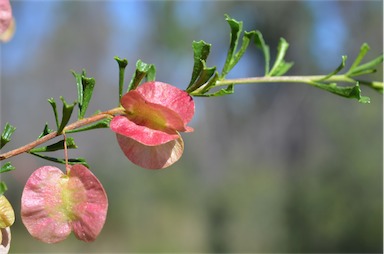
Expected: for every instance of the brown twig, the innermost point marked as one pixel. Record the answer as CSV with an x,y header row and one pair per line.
x,y
73,126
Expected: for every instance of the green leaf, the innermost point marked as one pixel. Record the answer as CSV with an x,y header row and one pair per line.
x,y
236,28
101,124
67,112
151,74
225,91
122,65
353,92
201,51
56,146
3,188
280,66
46,131
6,167
205,74
338,69
366,68
6,134
142,70
363,51
85,86
54,108
259,41
62,161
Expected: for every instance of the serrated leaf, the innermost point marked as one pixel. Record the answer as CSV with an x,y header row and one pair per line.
x,y
6,134
279,62
101,124
56,146
54,108
122,65
71,161
67,112
142,70
6,167
259,41
353,92
201,51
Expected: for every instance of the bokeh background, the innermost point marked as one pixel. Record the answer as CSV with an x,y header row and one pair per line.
x,y
272,168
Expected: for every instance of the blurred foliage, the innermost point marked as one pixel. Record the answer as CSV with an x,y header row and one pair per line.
x,y
273,168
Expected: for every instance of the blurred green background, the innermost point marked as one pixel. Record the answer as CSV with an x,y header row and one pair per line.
x,y
272,168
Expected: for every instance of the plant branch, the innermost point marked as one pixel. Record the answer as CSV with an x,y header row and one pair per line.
x,y
73,126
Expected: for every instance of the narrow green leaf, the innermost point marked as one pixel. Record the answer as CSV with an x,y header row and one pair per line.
x,y
101,124
244,45
46,131
201,51
3,188
363,51
85,88
151,74
88,86
80,90
225,91
56,146
279,62
259,41
6,134
122,65
62,161
337,70
205,74
236,28
67,112
366,68
142,70
282,68
6,167
211,83
353,92
54,108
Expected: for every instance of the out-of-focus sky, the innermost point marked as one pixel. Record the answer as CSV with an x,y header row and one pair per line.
x,y
271,168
